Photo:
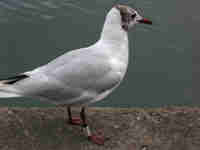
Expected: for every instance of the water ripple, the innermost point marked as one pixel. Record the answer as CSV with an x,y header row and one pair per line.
x,y
49,4
7,6
27,10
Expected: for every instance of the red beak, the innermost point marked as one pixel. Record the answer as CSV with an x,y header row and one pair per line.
x,y
145,21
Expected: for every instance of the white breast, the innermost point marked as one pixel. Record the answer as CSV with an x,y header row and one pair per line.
x,y
118,66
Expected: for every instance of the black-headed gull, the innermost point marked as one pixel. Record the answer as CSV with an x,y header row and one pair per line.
x,y
84,75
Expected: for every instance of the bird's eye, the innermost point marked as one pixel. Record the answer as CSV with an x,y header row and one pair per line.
x,y
133,16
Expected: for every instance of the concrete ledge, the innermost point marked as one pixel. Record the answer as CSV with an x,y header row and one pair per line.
x,y
173,128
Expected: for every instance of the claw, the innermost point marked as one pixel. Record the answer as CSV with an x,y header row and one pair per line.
x,y
96,139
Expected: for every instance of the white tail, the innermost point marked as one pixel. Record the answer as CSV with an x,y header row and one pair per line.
x,y
6,86
8,94
7,91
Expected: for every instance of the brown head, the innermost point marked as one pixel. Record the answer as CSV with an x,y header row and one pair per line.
x,y
130,17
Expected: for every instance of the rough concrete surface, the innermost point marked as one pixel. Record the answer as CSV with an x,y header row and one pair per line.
x,y
172,128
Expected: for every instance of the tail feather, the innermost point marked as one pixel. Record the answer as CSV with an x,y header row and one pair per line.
x,y
6,89
8,94
12,80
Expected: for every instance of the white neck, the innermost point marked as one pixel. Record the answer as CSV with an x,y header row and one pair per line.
x,y
112,30
114,37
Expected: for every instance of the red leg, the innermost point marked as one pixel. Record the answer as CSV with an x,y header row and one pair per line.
x,y
96,139
73,120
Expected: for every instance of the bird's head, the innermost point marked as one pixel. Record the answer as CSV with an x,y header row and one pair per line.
x,y
129,17
119,20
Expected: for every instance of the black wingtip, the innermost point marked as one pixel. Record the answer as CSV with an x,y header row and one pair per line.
x,y
14,79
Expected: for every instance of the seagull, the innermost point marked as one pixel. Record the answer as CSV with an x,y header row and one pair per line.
x,y
82,76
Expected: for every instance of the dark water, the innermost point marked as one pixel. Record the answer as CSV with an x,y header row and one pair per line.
x,y
32,32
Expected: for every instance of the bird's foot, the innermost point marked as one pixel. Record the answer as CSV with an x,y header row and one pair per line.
x,y
75,121
96,139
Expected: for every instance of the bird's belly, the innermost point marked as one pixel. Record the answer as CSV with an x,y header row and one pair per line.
x,y
104,94
118,71
119,67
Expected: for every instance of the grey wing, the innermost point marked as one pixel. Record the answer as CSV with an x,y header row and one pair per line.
x,y
67,81
87,72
